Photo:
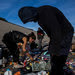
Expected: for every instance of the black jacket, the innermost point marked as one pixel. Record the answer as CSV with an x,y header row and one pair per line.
x,y
13,37
55,24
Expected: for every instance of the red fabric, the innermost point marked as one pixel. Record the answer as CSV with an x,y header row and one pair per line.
x,y
39,33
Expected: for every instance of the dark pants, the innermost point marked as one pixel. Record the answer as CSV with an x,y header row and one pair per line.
x,y
57,63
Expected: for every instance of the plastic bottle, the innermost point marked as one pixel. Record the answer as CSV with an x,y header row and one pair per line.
x,y
0,53
42,64
0,57
3,62
8,72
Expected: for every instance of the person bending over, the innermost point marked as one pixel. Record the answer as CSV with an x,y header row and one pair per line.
x,y
13,38
57,27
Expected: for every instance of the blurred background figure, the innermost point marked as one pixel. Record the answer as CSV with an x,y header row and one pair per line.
x,y
40,36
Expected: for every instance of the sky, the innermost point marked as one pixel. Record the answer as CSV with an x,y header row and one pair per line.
x,y
9,10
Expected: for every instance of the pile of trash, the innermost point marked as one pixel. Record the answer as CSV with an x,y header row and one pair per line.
x,y
71,64
39,66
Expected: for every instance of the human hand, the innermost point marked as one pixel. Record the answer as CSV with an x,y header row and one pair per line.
x,y
41,34
31,58
24,50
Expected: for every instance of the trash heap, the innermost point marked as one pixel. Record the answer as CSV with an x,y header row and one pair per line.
x,y
40,65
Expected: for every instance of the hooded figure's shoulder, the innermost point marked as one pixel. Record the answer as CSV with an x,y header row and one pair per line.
x,y
45,7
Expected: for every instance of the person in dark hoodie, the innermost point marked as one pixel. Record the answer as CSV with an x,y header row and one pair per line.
x,y
13,39
57,27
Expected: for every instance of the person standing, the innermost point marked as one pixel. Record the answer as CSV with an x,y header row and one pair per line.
x,y
57,27
40,36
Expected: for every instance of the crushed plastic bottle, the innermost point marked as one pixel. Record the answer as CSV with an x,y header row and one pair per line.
x,y
8,72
